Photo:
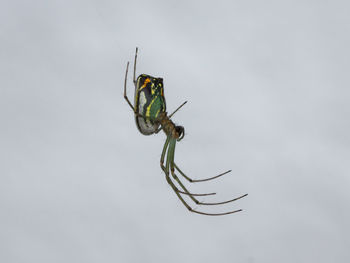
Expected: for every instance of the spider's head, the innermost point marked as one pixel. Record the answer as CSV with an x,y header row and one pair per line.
x,y
180,130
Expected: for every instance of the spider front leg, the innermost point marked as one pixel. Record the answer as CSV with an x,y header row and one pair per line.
x,y
169,164
166,170
172,168
165,147
196,200
199,180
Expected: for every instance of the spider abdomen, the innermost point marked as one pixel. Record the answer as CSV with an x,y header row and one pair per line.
x,y
149,103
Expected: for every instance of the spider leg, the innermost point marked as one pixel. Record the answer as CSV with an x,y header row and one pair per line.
x,y
177,109
165,147
125,96
172,164
200,180
134,79
196,200
169,162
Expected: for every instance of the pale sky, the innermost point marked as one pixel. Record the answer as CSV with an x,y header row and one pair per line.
x,y
267,84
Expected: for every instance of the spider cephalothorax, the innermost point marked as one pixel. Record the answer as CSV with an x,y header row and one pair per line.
x,y
151,117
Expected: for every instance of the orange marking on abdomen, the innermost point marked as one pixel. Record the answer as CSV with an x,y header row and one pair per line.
x,y
145,83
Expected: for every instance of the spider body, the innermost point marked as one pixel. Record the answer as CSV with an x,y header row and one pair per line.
x,y
174,131
151,117
149,103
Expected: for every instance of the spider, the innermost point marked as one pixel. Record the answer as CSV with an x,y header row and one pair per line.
x,y
151,117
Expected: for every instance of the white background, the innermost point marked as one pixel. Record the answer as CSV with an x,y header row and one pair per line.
x,y
268,90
